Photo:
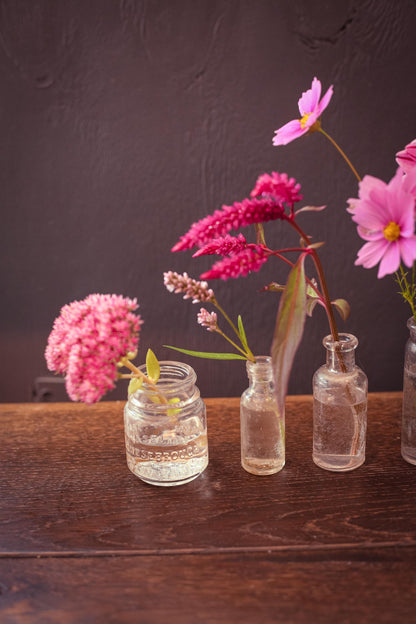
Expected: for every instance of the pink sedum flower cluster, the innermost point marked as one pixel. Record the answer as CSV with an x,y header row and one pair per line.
x,y
88,339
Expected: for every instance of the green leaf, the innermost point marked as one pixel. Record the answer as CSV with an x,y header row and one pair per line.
x,y
134,385
343,308
289,329
208,356
242,333
172,412
152,366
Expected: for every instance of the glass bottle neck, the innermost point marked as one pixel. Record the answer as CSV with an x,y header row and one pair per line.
x,y
340,355
260,372
412,328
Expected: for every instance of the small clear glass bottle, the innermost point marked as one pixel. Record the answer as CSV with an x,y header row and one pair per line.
x,y
408,438
339,407
262,427
166,431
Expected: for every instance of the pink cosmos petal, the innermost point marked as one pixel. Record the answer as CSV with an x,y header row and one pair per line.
x,y
390,261
401,208
310,98
408,250
406,158
371,253
409,182
369,235
289,132
325,101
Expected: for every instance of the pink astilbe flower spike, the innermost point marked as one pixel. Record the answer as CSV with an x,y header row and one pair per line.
x,y
384,214
239,214
406,159
223,246
310,108
279,185
208,319
238,265
87,341
192,289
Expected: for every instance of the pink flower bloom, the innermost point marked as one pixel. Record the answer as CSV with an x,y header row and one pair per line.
x,y
240,214
88,339
192,289
223,246
278,185
310,108
237,265
406,159
385,217
207,319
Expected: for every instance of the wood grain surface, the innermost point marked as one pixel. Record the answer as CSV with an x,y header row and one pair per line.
x,y
305,545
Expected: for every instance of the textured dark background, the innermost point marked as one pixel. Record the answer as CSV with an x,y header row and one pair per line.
x,y
122,122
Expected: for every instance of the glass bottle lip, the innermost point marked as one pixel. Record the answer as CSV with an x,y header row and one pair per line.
x,y
262,365
346,342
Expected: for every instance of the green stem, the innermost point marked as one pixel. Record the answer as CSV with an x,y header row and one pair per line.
x,y
246,355
343,154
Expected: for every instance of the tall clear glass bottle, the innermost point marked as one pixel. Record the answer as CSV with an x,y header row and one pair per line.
x,y
166,430
339,407
408,439
262,427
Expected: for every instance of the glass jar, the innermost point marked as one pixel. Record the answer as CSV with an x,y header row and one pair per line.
x,y
166,430
339,407
408,438
262,427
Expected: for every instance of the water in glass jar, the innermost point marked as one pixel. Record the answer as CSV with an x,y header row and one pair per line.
x,y
339,437
169,456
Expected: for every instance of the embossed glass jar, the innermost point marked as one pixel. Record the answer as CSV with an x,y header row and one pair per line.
x,y
408,438
339,407
262,427
166,431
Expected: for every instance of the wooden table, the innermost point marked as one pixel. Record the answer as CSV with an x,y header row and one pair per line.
x,y
84,540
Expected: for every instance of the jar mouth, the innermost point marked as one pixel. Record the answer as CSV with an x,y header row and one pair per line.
x,y
176,383
346,342
173,375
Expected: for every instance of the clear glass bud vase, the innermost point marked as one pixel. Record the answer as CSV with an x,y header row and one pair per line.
x,y
408,439
262,427
166,430
339,407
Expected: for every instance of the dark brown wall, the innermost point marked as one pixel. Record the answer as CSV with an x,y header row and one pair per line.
x,y
121,122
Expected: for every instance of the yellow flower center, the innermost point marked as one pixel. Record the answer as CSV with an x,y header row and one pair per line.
x,y
392,231
304,120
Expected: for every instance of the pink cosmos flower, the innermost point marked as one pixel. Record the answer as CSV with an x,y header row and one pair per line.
x,y
238,265
208,319
406,159
87,341
385,217
192,288
310,108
